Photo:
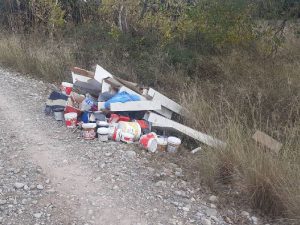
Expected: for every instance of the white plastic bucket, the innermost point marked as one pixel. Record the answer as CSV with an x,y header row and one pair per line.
x,y
103,134
71,119
59,115
173,144
66,88
127,138
132,128
88,132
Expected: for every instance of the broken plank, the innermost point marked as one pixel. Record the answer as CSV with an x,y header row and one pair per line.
x,y
165,101
135,106
83,72
101,74
77,77
267,141
105,86
159,121
163,111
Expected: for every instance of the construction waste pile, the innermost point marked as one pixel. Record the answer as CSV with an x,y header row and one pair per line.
x,y
108,108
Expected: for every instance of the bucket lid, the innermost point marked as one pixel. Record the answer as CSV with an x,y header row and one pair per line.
x,y
174,140
162,140
152,145
88,125
58,110
103,130
66,84
102,123
71,115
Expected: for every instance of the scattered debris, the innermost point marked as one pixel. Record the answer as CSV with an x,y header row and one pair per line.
x,y
131,111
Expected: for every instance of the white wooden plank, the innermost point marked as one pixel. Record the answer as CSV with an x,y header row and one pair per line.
x,y
165,101
135,106
77,77
101,74
105,86
160,121
163,111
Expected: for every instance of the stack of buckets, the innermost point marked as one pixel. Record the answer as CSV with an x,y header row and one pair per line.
x,y
124,131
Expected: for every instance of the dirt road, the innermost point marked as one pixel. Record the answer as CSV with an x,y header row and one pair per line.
x,y
51,176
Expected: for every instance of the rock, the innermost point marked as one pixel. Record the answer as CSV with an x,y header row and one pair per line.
x,y
211,212
37,215
227,220
178,174
213,206
108,154
26,188
161,183
245,214
186,209
19,185
40,187
2,201
215,219
205,221
254,220
131,154
213,198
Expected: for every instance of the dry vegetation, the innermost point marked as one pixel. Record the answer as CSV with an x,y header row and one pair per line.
x,y
230,90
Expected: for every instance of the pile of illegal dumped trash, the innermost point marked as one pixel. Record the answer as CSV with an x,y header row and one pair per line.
x,y
106,107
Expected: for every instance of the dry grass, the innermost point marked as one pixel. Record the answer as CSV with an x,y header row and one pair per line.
x,y
246,94
254,95
40,58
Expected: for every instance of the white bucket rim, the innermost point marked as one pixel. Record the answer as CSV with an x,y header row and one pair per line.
x,y
66,84
71,115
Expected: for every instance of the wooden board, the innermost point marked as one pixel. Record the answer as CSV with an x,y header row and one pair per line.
x,y
101,74
77,77
105,86
135,106
267,141
83,72
131,85
159,121
165,101
163,111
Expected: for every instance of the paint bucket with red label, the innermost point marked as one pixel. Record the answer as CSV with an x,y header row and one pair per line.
x,y
71,119
117,135
127,138
132,128
66,88
149,141
88,132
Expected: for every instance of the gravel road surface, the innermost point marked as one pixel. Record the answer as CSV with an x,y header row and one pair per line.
x,y
49,175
